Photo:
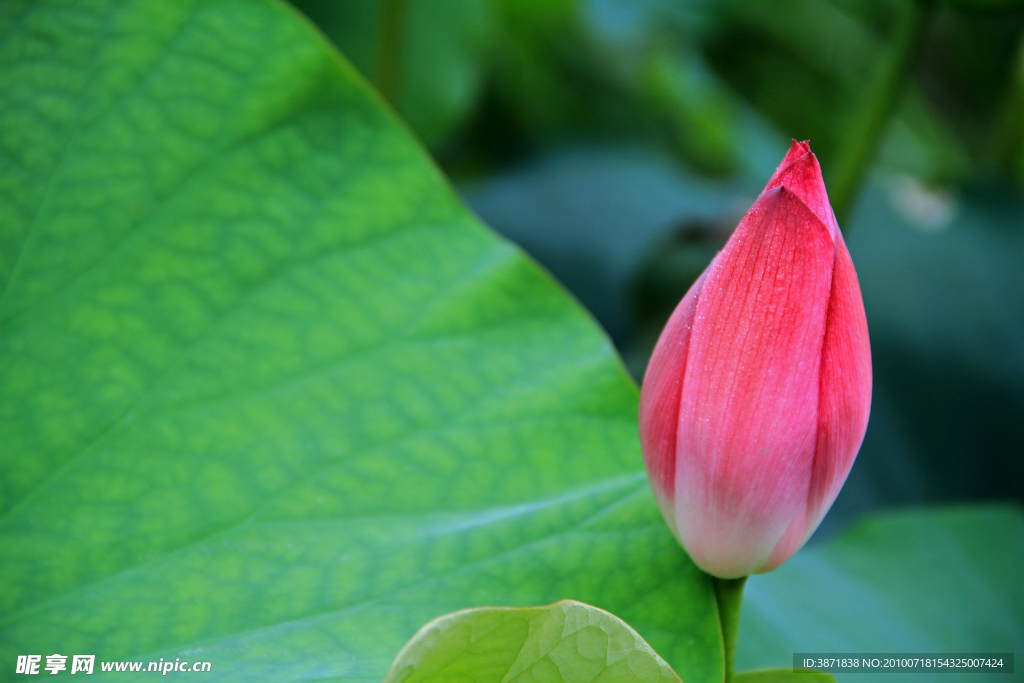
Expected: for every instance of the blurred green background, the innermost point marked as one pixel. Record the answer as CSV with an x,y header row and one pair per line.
x,y
620,141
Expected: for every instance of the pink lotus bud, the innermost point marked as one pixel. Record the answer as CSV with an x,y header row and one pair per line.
x,y
757,395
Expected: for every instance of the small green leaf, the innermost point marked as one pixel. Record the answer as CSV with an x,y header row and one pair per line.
x,y
783,676
568,642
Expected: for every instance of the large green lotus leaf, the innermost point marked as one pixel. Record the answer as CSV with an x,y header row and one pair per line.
x,y
569,641
269,396
938,581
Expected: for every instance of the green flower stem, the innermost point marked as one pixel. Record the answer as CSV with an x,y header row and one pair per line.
x,y
729,596
389,56
877,107
1007,142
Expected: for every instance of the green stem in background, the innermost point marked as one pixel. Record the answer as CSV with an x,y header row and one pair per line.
x,y
729,597
1006,145
876,109
389,55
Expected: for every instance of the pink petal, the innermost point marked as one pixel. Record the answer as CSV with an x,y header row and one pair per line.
x,y
845,396
659,399
801,173
796,150
748,412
